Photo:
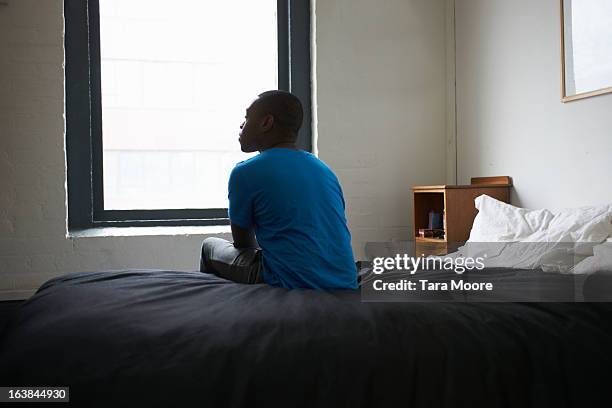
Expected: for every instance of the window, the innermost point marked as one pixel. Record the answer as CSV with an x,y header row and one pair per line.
x,y
155,94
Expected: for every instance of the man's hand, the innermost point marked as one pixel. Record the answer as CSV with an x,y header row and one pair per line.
x,y
243,238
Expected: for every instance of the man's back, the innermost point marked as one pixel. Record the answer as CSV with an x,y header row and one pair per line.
x,y
295,205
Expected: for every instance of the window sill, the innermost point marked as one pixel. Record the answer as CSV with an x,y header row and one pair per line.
x,y
149,231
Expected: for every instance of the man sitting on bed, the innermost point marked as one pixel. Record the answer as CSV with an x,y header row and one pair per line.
x,y
287,201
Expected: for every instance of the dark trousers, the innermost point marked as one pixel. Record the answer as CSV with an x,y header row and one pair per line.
x,y
222,258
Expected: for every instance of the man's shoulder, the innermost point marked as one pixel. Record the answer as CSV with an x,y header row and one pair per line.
x,y
263,159
247,164
249,169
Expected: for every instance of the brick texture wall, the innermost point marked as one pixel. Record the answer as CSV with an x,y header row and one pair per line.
x,y
380,95
381,91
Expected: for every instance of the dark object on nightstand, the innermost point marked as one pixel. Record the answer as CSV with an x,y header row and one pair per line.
x,y
435,220
431,233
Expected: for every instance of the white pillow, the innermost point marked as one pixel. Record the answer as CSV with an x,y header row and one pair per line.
x,y
601,261
584,224
603,250
497,221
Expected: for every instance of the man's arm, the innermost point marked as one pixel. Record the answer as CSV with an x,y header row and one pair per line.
x,y
243,238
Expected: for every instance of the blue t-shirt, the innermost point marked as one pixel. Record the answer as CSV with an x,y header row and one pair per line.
x,y
295,205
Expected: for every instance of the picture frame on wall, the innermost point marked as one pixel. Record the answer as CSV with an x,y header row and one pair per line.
x,y
586,48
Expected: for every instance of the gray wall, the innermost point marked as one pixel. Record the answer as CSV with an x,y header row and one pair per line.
x,y
381,93
510,120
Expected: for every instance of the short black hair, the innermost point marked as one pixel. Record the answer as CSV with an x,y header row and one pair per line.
x,y
285,107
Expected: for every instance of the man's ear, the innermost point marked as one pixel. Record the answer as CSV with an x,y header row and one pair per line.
x,y
267,123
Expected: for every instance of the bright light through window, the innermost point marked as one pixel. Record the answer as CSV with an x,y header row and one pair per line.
x,y
177,77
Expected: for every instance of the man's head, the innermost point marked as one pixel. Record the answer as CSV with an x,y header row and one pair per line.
x,y
274,118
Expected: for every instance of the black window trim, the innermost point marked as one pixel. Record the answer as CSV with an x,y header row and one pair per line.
x,y
84,117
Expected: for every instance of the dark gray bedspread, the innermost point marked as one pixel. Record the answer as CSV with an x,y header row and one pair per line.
x,y
163,338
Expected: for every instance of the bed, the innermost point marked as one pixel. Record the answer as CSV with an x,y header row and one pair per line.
x,y
167,338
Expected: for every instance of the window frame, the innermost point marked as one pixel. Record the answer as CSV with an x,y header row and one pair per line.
x,y
84,148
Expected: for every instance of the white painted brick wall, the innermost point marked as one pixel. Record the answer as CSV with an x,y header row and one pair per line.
x,y
381,93
380,126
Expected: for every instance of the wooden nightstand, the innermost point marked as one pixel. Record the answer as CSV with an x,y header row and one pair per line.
x,y
456,203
